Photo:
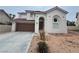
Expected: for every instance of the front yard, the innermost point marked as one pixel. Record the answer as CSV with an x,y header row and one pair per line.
x,y
58,43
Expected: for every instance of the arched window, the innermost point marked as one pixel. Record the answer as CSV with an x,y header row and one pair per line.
x,y
56,20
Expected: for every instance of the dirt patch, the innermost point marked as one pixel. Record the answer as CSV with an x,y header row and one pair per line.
x,y
58,43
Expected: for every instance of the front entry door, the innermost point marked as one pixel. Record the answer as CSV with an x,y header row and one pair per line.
x,y
41,23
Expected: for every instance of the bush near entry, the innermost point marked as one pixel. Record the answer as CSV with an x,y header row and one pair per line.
x,y
42,47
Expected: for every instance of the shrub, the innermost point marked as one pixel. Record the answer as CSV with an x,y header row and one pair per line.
x,y
42,47
42,36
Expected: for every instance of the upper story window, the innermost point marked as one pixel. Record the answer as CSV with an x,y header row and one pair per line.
x,y
55,19
22,15
31,14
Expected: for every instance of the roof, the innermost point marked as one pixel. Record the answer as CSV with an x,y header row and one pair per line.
x,y
20,19
39,12
52,9
5,13
44,12
32,11
57,8
23,20
21,13
29,11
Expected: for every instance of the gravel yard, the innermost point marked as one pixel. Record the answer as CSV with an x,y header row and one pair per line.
x,y
15,42
58,43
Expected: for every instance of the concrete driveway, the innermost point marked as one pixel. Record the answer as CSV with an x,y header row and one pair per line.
x,y
15,42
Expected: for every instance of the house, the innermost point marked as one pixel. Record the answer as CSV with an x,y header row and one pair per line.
x,y
77,17
4,17
51,21
5,22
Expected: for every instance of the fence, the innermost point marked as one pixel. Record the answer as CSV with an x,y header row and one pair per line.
x,y
73,28
5,28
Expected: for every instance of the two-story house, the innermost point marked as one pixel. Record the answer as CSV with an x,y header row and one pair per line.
x,y
51,21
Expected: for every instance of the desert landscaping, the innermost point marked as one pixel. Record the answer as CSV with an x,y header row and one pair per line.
x,y
58,43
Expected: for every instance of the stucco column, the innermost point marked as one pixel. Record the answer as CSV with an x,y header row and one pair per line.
x,y
36,25
13,27
45,25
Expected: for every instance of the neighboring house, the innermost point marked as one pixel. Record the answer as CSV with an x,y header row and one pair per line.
x,y
51,21
77,17
71,23
4,17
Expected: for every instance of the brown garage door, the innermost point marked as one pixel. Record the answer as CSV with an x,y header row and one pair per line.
x,y
29,27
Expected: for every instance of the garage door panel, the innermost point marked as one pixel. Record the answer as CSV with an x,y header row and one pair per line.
x,y
25,27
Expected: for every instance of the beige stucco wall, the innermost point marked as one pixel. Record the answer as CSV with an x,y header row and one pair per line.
x,y
5,28
62,24
28,16
48,21
37,16
77,21
3,18
13,28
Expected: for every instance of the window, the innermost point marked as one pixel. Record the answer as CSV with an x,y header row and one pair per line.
x,y
55,19
55,23
31,14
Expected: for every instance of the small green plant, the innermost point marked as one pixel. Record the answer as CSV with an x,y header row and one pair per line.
x,y
42,47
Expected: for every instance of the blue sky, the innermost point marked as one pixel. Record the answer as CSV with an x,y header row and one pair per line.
x,y
14,9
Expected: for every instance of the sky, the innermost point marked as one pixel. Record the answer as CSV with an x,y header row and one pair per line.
x,y
14,9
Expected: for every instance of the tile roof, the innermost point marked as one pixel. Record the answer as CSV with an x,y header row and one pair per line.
x,y
52,9
29,11
32,11
58,8
20,19
39,12
24,20
21,13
